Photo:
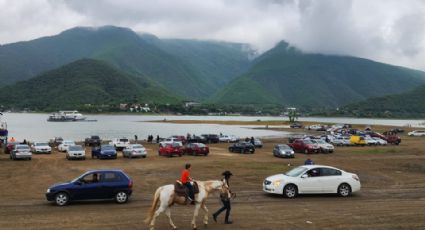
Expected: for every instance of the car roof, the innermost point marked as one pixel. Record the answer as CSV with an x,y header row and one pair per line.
x,y
319,166
104,170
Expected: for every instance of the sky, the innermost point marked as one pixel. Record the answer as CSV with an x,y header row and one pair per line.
x,y
390,31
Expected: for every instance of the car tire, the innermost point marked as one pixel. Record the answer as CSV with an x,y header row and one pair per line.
x,y
344,190
290,191
144,156
61,199
121,197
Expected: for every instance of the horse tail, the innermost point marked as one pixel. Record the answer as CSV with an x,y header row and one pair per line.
x,y
153,207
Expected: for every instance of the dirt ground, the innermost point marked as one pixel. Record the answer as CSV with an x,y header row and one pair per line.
x,y
392,194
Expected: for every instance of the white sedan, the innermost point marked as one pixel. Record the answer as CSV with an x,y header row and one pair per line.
x,y
312,179
63,147
417,133
75,152
228,138
41,147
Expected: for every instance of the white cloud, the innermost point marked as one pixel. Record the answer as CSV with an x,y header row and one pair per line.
x,y
390,31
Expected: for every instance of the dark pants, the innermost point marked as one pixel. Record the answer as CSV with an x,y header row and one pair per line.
x,y
190,188
226,206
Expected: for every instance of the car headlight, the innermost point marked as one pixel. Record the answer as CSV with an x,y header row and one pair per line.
x,y
48,190
276,183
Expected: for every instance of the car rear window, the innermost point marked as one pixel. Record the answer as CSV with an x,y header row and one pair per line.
x,y
123,140
111,177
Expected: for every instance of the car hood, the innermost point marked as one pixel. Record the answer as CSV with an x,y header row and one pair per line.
x,y
77,151
61,185
108,152
42,147
277,177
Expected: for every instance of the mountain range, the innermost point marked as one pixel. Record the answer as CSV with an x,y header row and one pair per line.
x,y
173,70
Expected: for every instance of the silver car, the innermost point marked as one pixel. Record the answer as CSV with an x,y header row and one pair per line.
x,y
134,150
75,152
283,151
21,151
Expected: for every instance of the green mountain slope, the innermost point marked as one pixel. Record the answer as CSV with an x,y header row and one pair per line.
x,y
407,104
290,77
82,82
184,69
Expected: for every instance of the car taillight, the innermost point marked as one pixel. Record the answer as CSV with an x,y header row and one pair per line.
x,y
355,177
130,184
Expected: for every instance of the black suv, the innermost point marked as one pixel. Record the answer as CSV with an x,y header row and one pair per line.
x,y
211,138
93,141
242,147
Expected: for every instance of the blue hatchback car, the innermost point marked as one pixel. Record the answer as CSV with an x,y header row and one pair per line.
x,y
93,185
104,152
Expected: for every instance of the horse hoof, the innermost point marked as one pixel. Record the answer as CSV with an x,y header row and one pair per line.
x,y
206,225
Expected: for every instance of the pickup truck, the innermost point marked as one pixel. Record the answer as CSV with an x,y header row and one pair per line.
x,y
120,143
92,141
304,146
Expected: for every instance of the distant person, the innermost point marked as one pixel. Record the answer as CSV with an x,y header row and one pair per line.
x,y
252,141
135,138
225,199
308,162
24,142
157,139
12,139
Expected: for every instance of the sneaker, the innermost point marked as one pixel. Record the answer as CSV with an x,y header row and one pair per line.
x,y
228,222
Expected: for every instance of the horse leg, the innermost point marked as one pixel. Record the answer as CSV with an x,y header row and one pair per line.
x,y
204,207
168,213
195,214
160,209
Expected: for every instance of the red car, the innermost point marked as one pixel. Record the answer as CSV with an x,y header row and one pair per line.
x,y
170,149
304,146
196,149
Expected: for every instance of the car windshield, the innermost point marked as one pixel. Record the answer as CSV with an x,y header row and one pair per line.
x,y
108,147
283,147
176,144
124,140
296,171
137,146
200,145
68,142
308,142
75,148
22,147
320,141
41,144
95,137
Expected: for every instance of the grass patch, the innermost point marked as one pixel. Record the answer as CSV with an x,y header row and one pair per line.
x,y
375,151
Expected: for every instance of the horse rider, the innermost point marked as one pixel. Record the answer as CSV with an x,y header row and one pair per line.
x,y
186,181
225,199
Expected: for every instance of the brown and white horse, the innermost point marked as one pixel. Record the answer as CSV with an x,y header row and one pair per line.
x,y
166,197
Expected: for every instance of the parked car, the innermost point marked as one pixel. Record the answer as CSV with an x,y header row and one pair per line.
x,y
93,141
134,150
393,139
197,139
211,138
104,152
10,146
324,146
21,151
182,139
312,179
417,133
318,127
76,152
380,141
120,143
41,147
93,185
170,140
242,147
284,151
65,144
55,142
370,141
341,141
258,143
358,140
296,125
196,149
170,149
304,146
228,138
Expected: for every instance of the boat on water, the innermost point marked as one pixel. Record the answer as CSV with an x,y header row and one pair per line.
x,y
66,116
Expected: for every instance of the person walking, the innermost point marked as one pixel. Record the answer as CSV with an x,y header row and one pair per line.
x,y
157,139
225,199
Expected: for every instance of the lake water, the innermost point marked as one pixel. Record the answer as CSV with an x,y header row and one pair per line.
x,y
35,127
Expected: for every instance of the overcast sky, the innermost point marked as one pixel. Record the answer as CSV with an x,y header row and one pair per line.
x,y
391,31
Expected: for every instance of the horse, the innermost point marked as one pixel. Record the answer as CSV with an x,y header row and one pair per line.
x,y
166,197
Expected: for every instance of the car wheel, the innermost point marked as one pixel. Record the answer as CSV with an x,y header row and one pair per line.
x,y
344,190
61,199
144,156
121,197
290,191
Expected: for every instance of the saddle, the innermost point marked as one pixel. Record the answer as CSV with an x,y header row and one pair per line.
x,y
181,190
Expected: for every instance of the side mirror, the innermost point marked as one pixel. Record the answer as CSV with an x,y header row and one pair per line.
x,y
78,182
304,176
